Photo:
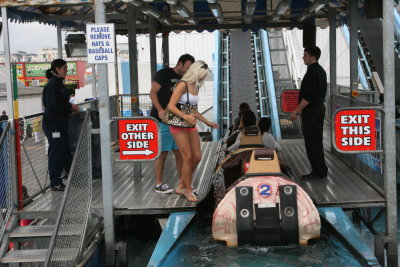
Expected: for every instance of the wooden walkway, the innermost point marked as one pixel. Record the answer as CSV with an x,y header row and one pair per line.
x,y
136,195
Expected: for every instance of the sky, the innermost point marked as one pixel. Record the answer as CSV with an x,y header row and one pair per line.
x,y
32,37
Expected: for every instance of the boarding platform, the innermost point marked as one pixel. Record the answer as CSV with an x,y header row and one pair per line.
x,y
136,195
342,187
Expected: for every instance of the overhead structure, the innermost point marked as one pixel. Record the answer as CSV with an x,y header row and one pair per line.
x,y
177,15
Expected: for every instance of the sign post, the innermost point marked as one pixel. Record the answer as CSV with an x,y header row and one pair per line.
x,y
138,138
356,130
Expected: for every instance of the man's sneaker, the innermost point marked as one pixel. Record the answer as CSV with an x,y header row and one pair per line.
x,y
163,189
60,187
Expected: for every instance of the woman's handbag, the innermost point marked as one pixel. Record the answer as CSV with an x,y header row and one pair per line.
x,y
173,120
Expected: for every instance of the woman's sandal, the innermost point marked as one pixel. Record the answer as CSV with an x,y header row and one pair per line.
x,y
191,197
180,192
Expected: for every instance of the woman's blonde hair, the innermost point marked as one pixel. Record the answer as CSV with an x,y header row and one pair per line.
x,y
196,73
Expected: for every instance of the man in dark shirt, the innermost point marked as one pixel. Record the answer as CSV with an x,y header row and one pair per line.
x,y
312,109
160,93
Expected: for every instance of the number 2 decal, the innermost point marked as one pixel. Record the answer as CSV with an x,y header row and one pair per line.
x,y
264,190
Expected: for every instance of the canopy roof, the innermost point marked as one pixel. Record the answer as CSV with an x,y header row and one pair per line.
x,y
178,15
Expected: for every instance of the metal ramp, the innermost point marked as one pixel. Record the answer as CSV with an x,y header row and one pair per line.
x,y
135,195
342,188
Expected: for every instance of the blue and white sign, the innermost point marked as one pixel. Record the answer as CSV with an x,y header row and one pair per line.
x,y
100,40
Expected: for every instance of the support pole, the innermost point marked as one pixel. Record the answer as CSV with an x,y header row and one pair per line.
x,y
133,72
332,67
106,166
10,104
389,132
353,5
59,40
165,49
153,47
165,39
94,78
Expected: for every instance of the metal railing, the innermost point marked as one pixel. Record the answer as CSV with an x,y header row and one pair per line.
x,y
5,177
367,165
34,158
73,214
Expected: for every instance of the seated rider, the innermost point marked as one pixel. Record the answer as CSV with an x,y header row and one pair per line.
x,y
248,119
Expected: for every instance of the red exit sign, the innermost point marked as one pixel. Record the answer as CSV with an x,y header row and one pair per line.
x,y
355,130
138,139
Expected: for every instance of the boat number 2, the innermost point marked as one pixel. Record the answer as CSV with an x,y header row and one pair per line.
x,y
264,190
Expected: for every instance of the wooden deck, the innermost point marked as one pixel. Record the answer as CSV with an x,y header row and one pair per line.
x,y
136,195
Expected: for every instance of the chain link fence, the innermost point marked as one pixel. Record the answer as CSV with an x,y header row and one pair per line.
x,y
368,165
68,237
5,176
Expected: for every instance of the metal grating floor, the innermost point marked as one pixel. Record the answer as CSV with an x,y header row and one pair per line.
x,y
136,195
342,187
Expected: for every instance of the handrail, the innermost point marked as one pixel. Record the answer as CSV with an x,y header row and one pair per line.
x,y
361,74
75,205
5,179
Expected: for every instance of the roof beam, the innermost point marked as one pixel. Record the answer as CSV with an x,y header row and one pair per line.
x,y
232,26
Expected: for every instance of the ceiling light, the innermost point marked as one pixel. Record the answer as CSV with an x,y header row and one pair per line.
x,y
192,21
315,7
303,17
152,12
275,18
183,11
250,7
282,7
172,2
136,3
166,21
216,10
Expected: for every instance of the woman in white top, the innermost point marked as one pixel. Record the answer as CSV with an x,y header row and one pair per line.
x,y
187,139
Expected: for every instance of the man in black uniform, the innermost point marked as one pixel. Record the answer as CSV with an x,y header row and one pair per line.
x,y
312,109
160,93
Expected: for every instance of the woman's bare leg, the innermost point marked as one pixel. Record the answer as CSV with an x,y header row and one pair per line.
x,y
194,140
183,143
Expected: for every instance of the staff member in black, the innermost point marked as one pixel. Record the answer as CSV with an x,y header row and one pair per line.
x,y
312,110
55,122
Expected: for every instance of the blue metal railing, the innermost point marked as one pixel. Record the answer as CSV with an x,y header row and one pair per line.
x,y
217,85
269,77
362,74
397,32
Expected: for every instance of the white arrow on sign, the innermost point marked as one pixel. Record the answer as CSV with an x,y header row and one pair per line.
x,y
138,152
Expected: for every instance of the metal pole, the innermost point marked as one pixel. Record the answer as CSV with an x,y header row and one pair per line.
x,y
94,77
353,5
106,166
10,104
165,49
153,46
133,71
59,40
165,39
389,132
332,67
116,76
